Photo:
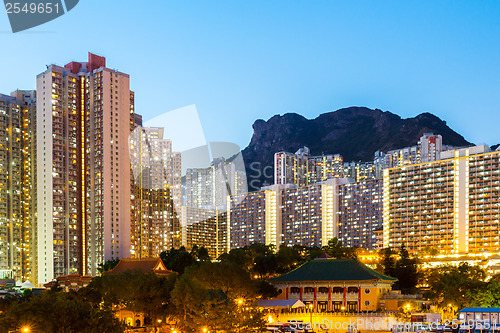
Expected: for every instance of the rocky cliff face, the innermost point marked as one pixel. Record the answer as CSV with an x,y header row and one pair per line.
x,y
356,133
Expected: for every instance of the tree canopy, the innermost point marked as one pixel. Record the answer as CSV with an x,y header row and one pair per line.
x,y
58,312
455,284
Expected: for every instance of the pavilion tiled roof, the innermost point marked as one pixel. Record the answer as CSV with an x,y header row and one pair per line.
x,y
332,270
144,265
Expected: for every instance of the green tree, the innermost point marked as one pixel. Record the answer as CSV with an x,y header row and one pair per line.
x,y
488,296
266,290
58,313
265,264
177,259
218,296
150,295
259,249
108,265
454,284
406,271
232,280
108,290
288,258
240,257
388,262
194,304
200,253
336,250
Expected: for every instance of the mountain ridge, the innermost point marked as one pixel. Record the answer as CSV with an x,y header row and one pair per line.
x,y
354,132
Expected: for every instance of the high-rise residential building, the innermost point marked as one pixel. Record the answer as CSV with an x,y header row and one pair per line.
x,y
427,149
360,213
291,168
156,193
208,188
321,168
430,147
419,207
359,171
198,188
286,214
483,201
451,205
302,169
307,215
85,114
17,191
249,217
400,157
204,227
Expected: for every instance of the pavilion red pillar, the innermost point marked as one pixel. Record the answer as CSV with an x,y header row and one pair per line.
x,y
345,297
315,303
359,299
301,293
286,292
329,299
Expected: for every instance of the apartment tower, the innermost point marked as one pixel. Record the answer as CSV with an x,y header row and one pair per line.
x,y
85,113
17,218
156,193
451,205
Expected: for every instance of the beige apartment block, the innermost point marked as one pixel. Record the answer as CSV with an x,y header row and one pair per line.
x,y
452,205
85,114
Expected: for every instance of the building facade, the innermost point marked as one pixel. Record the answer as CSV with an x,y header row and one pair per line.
x,y
427,149
450,205
208,188
338,285
285,214
156,193
17,190
204,227
248,218
301,169
307,215
360,213
85,114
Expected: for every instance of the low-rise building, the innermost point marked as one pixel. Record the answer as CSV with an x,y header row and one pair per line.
x,y
144,265
334,285
489,315
69,282
395,300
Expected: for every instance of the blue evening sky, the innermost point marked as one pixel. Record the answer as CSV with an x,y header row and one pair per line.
x,y
239,61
